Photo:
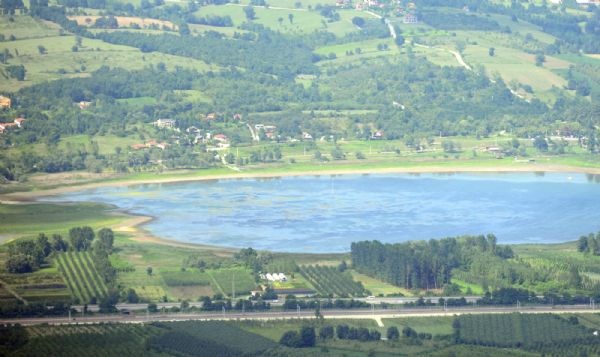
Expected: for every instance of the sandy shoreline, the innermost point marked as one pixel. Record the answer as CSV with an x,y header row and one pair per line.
x,y
28,196
133,224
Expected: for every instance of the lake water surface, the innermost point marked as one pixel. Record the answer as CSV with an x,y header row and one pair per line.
x,y
327,213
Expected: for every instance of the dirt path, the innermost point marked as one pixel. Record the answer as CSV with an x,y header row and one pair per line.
x,y
14,293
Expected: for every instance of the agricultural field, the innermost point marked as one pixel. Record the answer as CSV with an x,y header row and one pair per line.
x,y
329,281
84,281
217,338
227,280
32,218
377,287
44,286
529,331
60,60
103,339
125,21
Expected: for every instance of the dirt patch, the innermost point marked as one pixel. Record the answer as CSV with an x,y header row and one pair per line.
x,y
126,21
191,292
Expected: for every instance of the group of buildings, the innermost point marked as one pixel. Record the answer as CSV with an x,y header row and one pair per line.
x,y
6,103
273,277
398,8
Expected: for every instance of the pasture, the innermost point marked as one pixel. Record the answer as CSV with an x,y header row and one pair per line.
x,y
32,218
61,61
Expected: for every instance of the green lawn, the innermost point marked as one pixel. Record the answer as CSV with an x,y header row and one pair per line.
x,y
378,287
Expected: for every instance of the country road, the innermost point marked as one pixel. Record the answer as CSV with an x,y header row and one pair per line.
x,y
375,314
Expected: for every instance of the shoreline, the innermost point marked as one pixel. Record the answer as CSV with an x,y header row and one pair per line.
x,y
133,224
33,196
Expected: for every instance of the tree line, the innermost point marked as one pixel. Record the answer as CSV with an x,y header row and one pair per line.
x,y
422,264
28,255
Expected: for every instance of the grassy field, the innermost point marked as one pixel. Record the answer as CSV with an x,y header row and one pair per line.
x,y
378,287
440,325
61,62
25,27
30,219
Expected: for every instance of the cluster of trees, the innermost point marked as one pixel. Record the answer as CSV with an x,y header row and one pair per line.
x,y
292,303
422,264
306,337
589,244
345,332
240,305
270,52
457,21
211,20
28,255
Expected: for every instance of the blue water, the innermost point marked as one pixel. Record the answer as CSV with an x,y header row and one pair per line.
x,y
327,213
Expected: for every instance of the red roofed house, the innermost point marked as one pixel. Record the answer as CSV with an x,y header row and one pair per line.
x,y
5,126
221,138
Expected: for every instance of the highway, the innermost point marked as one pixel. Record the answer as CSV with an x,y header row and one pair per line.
x,y
275,303
376,314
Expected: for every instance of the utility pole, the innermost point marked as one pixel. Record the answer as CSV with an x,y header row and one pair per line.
x,y
233,286
69,313
298,309
223,310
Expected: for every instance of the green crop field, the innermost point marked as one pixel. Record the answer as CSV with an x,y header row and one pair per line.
x,y
81,276
77,340
329,281
31,219
45,286
531,331
238,279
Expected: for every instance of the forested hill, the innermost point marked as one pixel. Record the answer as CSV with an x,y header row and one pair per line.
x,y
261,51
423,264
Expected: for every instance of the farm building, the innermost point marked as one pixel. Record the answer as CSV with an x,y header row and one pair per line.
x,y
165,123
274,277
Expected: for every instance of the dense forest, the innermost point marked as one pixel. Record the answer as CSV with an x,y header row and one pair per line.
x,y
422,264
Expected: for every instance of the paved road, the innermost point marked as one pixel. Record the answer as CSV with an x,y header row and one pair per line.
x,y
374,300
376,314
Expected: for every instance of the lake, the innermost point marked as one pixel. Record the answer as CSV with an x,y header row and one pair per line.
x,y
326,213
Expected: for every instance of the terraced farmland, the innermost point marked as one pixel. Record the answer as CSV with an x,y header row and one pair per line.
x,y
81,276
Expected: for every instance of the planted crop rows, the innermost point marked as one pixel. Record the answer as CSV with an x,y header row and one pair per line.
x,y
330,281
530,331
81,276
89,340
